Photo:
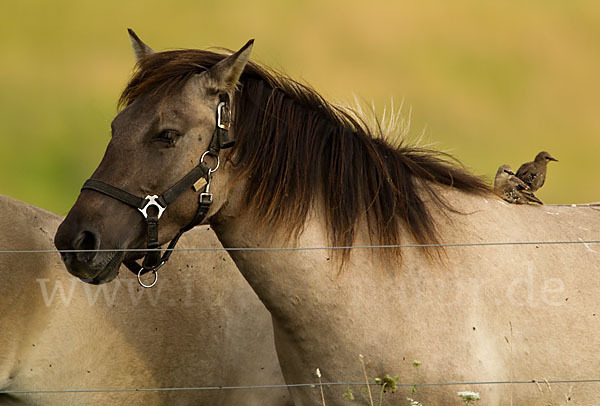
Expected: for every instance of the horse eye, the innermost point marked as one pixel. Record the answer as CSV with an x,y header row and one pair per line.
x,y
167,136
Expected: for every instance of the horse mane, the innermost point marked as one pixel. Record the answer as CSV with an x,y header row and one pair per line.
x,y
293,146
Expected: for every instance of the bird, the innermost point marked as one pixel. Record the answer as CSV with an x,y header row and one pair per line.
x,y
511,188
534,173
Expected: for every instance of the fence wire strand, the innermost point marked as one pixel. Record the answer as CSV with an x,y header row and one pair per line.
x,y
299,385
318,248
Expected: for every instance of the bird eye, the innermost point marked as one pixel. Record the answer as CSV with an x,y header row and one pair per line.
x,y
168,136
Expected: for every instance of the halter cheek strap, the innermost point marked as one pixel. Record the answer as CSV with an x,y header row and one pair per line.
x,y
152,207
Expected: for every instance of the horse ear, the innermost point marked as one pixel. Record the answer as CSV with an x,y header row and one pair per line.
x,y
227,72
139,48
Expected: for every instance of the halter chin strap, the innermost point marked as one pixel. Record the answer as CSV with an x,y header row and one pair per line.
x,y
152,207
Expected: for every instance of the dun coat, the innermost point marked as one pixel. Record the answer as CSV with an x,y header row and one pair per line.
x,y
306,174
58,333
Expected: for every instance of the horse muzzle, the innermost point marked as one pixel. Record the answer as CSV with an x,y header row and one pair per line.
x,y
83,259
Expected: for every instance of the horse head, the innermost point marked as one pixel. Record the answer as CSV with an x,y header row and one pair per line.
x,y
163,156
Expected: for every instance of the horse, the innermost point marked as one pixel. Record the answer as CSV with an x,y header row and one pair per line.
x,y
370,254
60,334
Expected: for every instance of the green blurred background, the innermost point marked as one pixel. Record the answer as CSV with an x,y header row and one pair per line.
x,y
490,82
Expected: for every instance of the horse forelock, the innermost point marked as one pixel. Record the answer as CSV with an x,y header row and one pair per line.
x,y
293,147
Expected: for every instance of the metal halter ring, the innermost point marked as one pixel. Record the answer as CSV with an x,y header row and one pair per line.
x,y
154,271
216,157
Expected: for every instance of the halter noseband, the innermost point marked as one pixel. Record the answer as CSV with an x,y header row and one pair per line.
x,y
152,207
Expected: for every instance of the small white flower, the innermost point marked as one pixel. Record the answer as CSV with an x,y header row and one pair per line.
x,y
469,396
318,372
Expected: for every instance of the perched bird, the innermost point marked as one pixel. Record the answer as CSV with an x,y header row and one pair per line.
x,y
511,188
534,173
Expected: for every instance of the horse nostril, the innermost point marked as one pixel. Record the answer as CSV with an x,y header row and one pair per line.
x,y
88,242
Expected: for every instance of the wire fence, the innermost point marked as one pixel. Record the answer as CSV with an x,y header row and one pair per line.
x,y
320,248
321,384
299,385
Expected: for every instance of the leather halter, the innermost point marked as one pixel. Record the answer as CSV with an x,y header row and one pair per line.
x,y
152,207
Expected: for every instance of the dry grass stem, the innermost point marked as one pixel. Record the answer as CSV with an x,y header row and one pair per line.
x,y
362,362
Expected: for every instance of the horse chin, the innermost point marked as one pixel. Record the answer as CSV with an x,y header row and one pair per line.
x,y
109,269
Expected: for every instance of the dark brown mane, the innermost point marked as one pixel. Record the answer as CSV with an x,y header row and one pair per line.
x,y
295,147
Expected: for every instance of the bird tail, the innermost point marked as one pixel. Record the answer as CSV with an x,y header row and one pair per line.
x,y
531,197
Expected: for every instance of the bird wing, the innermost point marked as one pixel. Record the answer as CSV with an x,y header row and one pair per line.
x,y
518,183
527,173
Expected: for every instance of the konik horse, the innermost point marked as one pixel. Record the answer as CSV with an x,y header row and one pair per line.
x,y
438,285
201,328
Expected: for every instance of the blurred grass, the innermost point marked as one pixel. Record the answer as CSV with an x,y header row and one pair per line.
x,y
492,82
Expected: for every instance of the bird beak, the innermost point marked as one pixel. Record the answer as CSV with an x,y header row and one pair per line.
x,y
552,159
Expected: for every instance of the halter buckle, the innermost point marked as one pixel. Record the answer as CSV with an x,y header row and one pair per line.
x,y
223,116
206,197
152,201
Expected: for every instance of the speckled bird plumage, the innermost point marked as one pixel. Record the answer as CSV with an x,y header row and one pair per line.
x,y
511,188
534,173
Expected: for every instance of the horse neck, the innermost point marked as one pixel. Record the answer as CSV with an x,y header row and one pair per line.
x,y
289,281
270,273
309,273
